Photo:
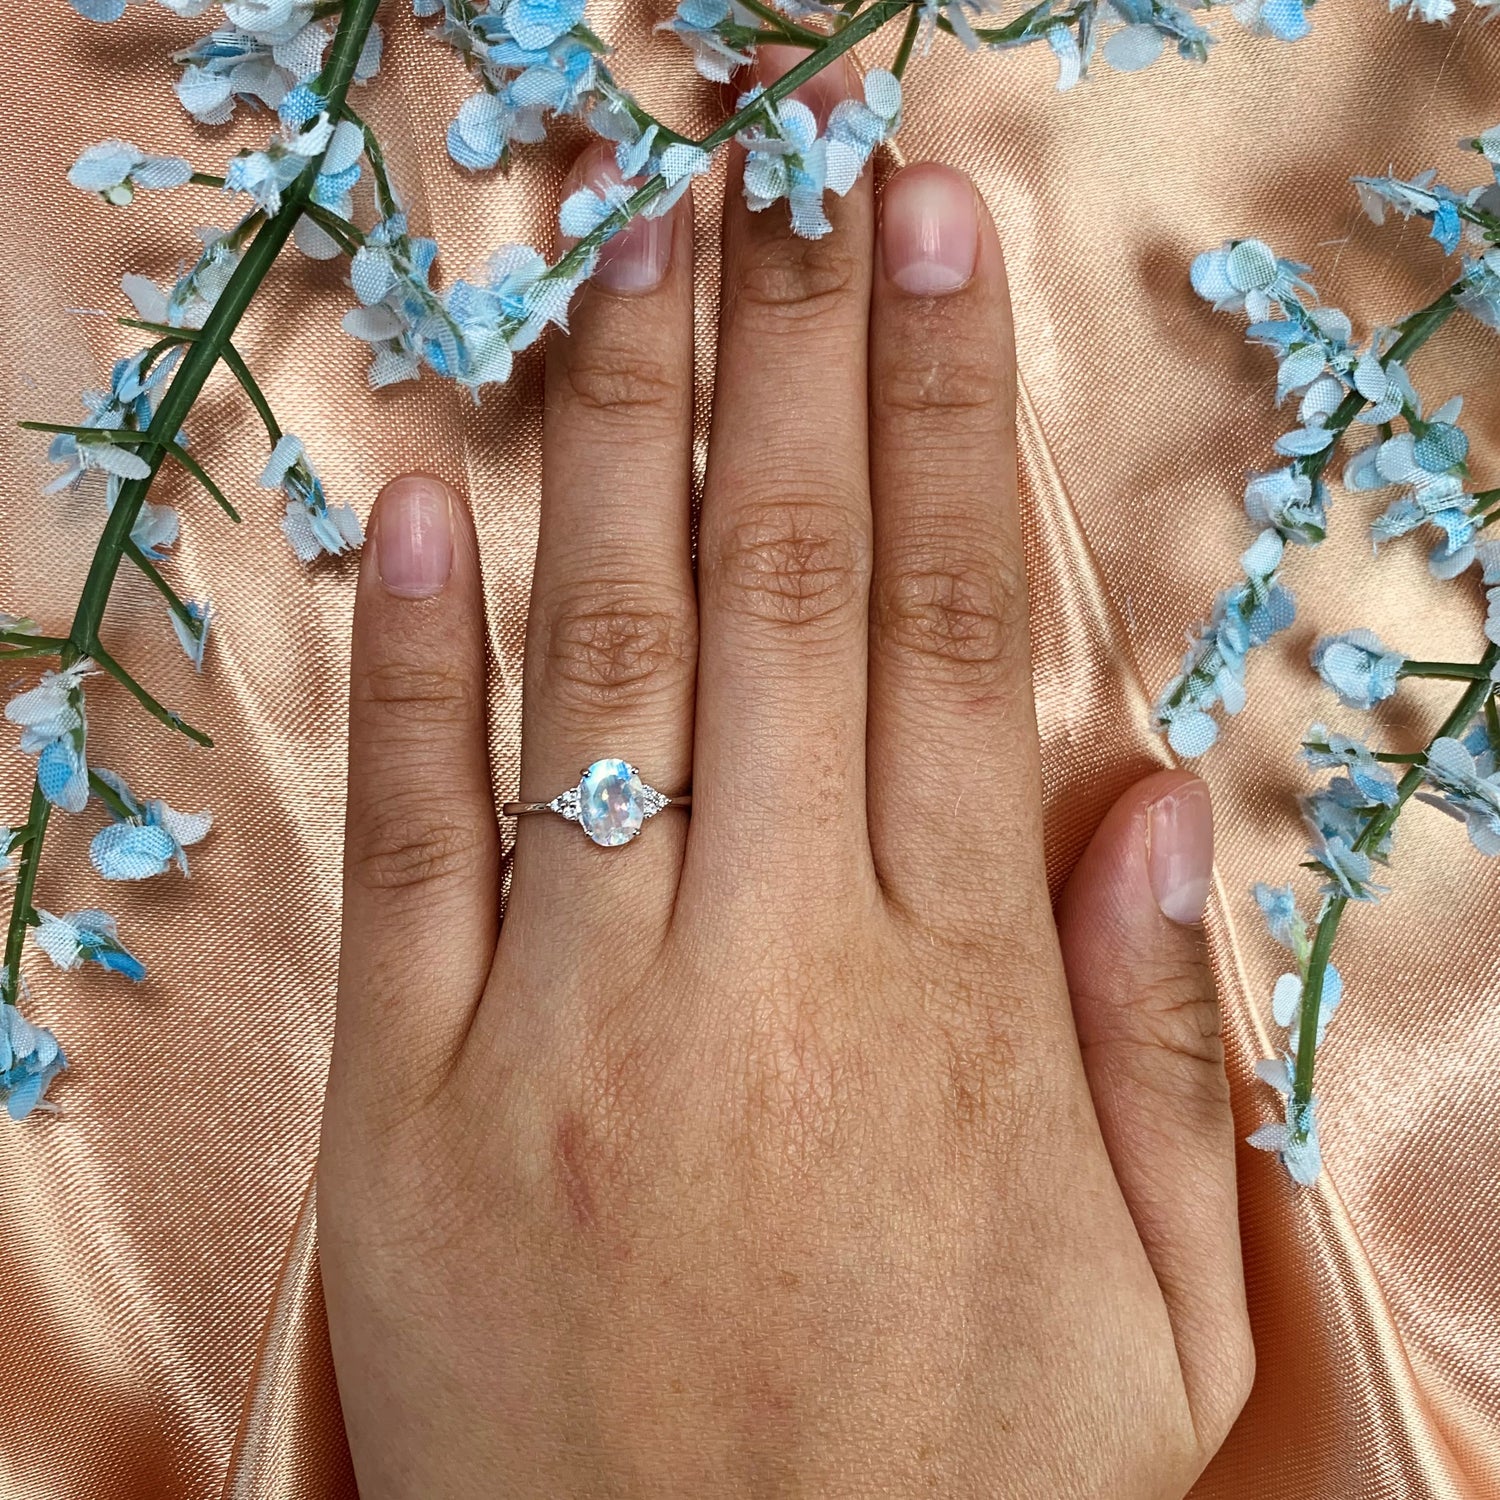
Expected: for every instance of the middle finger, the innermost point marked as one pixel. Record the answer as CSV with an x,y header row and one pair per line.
x,y
784,556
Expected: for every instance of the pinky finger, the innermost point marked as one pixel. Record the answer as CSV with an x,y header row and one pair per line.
x,y
421,855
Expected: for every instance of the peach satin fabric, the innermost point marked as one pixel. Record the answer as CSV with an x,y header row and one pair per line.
x,y
161,1311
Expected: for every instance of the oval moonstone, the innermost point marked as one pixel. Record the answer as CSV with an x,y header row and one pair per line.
x,y
611,802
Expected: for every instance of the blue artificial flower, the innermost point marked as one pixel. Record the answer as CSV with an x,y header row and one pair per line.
x,y
1429,10
194,293
99,10
266,175
1286,499
1429,462
152,838
30,1059
1361,670
54,728
1479,292
1447,227
1324,750
229,65
1213,671
534,58
1278,904
586,209
269,20
481,135
398,309
311,524
1467,789
115,169
339,171
1286,20
855,129
300,106
484,325
130,401
1488,556
718,33
1422,195
1286,1004
86,937
1246,274
787,158
1338,817
271,69
1294,1140
537,24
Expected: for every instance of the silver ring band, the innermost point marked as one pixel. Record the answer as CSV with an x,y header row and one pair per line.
x,y
610,803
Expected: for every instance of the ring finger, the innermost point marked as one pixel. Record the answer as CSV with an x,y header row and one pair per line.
x,y
611,641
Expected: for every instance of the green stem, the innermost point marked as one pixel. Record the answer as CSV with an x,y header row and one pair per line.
x,y
33,645
787,27
1416,329
908,41
199,473
218,328
20,906
158,711
830,47
165,589
1478,695
1469,671
233,359
111,798
204,352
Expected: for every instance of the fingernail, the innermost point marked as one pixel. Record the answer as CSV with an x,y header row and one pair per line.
x,y
635,260
929,230
414,537
820,93
1180,851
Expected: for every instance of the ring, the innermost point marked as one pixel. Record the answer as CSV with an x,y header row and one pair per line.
x,y
609,803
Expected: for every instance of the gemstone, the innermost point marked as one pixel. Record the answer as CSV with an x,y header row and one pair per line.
x,y
611,802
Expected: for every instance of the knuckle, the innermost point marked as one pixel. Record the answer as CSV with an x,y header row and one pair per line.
x,y
612,649
406,842
959,617
619,381
1177,1012
429,688
792,280
934,385
795,563
1164,1030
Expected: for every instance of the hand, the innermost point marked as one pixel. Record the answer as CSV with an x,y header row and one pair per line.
x,y
786,1150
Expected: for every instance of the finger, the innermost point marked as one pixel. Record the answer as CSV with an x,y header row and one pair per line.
x,y
784,551
611,639
953,763
421,849
1148,1022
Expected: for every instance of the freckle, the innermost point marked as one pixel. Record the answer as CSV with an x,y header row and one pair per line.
x,y
570,1132
790,1280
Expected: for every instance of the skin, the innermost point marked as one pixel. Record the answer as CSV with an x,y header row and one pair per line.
x,y
798,1148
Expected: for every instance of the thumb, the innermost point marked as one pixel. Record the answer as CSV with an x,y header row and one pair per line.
x,y
1147,1016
